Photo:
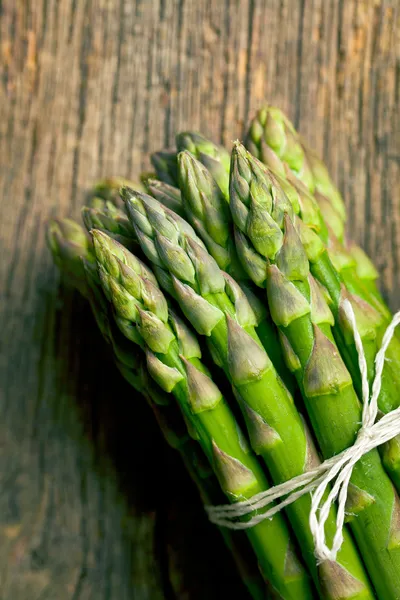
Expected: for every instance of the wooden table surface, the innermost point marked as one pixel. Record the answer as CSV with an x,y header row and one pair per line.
x,y
89,88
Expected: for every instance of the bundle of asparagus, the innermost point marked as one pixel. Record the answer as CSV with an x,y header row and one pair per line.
x,y
189,253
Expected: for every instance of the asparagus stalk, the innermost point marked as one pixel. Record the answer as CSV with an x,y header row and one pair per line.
x,y
346,265
108,189
173,360
311,216
213,156
174,430
272,130
168,195
68,243
371,325
327,263
70,248
175,433
372,319
333,208
107,217
356,269
324,186
266,235
106,213
208,212
164,163
275,428
273,139
366,271
342,260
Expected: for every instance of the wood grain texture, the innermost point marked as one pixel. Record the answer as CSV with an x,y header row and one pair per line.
x,y
89,88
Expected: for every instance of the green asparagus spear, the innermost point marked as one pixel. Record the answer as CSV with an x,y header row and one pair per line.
x,y
70,247
298,176
272,130
108,189
164,163
324,185
372,313
334,266
68,242
128,363
333,209
173,354
109,218
346,265
175,433
266,235
132,366
207,211
366,271
213,156
275,428
273,139
371,325
168,195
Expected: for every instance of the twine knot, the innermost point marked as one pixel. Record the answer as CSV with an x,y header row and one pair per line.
x,y
366,433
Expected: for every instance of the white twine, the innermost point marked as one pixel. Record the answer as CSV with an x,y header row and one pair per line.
x,y
338,468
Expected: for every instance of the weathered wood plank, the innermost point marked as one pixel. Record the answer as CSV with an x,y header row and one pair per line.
x,y
90,88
